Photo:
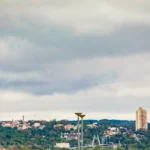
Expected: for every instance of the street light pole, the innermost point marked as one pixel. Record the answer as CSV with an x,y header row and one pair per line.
x,y
78,126
82,116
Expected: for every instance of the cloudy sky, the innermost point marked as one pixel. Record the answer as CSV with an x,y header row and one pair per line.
x,y
62,56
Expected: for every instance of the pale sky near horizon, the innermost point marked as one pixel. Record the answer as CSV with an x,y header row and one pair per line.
x,y
62,56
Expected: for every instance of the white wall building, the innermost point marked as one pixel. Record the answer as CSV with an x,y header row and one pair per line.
x,y
35,125
62,145
22,127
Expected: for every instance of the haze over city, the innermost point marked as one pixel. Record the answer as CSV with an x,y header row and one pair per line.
x,y
61,57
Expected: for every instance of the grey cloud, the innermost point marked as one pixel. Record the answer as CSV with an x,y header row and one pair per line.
x,y
72,76
41,87
47,48
81,16
55,54
84,102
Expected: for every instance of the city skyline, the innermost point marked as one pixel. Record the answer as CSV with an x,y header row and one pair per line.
x,y
57,58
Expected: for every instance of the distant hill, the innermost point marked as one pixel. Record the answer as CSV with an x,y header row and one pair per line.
x,y
110,122
107,121
117,122
86,121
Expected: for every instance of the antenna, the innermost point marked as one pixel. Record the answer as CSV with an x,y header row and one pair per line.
x,y
23,119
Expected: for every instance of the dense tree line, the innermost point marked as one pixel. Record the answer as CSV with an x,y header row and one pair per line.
x,y
31,139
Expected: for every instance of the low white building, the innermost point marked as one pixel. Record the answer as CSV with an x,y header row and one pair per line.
x,y
42,127
6,124
22,127
114,129
76,127
62,145
70,136
36,125
94,125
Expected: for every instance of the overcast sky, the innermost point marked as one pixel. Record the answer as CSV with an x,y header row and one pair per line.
x,y
58,57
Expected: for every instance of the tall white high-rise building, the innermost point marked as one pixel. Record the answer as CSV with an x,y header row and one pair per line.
x,y
141,119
